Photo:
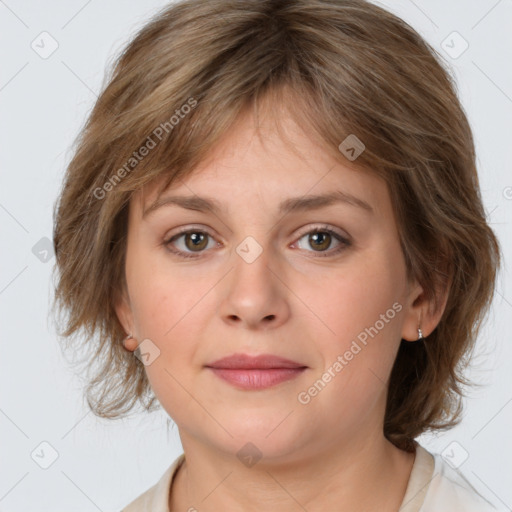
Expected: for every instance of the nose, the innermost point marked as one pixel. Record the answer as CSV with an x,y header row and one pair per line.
x,y
255,295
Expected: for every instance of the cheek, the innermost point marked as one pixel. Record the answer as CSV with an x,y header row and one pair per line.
x,y
361,318
161,293
167,311
171,310
348,300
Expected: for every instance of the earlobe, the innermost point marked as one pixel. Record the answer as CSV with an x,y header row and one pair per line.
x,y
412,326
130,343
421,318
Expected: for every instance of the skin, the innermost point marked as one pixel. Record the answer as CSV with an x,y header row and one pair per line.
x,y
291,301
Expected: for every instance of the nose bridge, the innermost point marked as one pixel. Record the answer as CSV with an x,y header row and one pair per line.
x,y
254,292
252,262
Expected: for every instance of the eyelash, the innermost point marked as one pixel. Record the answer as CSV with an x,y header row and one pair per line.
x,y
344,243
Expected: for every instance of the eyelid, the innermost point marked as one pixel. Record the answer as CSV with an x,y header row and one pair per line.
x,y
302,231
183,231
343,238
324,227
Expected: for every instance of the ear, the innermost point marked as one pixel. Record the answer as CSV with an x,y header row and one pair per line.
x,y
123,311
420,312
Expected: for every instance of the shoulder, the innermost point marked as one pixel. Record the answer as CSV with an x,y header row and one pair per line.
x,y
156,498
449,490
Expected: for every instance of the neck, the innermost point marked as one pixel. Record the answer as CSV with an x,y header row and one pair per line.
x,y
368,473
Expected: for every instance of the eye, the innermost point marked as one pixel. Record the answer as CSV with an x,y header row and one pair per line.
x,y
194,240
321,239
190,241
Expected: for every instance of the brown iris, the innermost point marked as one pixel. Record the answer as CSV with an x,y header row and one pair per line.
x,y
199,241
321,238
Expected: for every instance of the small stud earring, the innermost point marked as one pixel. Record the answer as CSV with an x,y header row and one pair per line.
x,y
130,346
420,334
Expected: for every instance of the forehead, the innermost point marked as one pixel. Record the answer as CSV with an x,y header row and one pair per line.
x,y
275,160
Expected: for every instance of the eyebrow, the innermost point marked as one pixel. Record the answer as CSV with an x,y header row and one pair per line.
x,y
291,205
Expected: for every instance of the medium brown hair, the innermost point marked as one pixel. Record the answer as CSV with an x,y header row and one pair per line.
x,y
341,67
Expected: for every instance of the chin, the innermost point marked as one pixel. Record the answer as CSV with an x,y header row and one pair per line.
x,y
271,437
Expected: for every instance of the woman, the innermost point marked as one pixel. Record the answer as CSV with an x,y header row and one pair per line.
x,y
272,222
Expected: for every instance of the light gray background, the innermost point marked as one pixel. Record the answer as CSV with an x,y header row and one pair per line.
x,y
103,465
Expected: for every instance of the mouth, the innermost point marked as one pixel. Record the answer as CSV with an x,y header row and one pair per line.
x,y
255,372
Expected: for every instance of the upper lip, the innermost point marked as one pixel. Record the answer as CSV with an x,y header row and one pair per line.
x,y
262,361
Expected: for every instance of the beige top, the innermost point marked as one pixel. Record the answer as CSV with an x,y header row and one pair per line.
x,y
434,486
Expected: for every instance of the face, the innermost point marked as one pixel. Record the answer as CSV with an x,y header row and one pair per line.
x,y
323,285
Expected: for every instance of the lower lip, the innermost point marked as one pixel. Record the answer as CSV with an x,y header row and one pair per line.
x,y
257,379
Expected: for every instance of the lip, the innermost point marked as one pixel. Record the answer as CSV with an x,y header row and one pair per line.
x,y
259,362
255,372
